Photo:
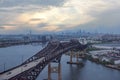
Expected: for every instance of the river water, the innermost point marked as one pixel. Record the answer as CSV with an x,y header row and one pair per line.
x,y
110,45
12,56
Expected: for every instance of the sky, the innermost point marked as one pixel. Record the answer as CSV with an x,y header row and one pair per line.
x,y
44,16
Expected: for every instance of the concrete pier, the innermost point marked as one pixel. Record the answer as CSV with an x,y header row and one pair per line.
x,y
54,69
76,56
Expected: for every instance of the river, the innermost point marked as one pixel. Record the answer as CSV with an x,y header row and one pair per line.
x,y
12,56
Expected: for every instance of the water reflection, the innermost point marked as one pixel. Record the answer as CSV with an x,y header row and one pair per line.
x,y
74,72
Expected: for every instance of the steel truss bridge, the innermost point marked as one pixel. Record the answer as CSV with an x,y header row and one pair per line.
x,y
32,67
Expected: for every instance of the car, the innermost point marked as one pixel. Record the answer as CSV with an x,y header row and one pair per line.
x,y
25,65
9,73
35,61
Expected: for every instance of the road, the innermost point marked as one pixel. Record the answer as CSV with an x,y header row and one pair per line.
x,y
18,70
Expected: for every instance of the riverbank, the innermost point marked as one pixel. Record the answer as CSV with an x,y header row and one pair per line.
x,y
113,67
97,61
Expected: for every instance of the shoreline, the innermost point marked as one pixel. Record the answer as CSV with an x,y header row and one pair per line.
x,y
108,65
113,67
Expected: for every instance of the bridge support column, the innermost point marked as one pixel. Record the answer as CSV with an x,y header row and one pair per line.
x,y
54,69
49,71
71,56
82,54
59,72
76,56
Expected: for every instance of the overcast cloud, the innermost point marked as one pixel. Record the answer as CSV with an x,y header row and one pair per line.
x,y
20,16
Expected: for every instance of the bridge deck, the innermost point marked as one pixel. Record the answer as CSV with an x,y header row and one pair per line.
x,y
32,67
18,70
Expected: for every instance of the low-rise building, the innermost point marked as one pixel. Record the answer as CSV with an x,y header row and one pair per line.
x,y
95,57
106,59
117,62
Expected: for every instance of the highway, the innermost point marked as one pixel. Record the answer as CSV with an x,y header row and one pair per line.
x,y
18,70
53,51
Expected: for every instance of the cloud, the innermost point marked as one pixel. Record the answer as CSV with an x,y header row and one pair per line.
x,y
49,28
7,27
58,15
1,27
22,9
106,22
12,3
42,25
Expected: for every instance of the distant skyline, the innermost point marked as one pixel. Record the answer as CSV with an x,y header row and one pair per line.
x,y
43,16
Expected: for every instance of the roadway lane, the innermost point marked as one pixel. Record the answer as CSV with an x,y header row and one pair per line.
x,y
16,71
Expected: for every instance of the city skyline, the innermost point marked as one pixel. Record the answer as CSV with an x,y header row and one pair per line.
x,y
41,16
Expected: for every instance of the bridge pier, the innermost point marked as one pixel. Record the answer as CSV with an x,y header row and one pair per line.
x,y
82,54
54,69
76,56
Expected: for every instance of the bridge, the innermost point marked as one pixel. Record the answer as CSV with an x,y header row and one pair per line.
x,y
32,67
